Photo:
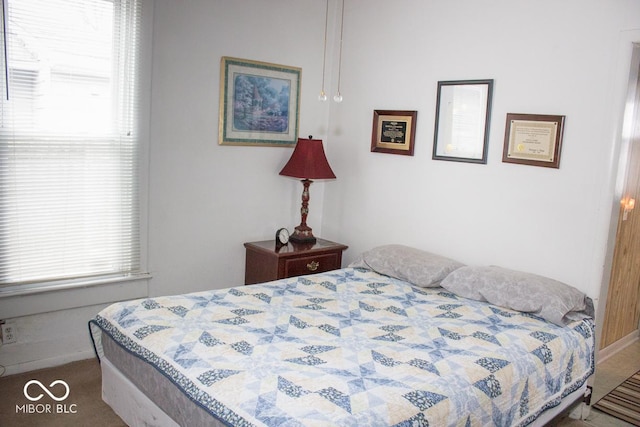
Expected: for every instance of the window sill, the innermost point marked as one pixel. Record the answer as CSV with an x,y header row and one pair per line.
x,y
25,300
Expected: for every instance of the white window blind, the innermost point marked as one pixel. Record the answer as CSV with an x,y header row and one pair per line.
x,y
69,140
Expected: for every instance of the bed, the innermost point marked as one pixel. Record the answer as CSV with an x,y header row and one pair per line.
x,y
402,337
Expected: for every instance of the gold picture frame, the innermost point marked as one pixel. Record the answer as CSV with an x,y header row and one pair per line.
x,y
259,103
393,131
533,139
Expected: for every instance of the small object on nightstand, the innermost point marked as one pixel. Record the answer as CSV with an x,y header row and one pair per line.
x,y
282,237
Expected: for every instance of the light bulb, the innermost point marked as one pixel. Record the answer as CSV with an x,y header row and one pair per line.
x,y
337,97
322,96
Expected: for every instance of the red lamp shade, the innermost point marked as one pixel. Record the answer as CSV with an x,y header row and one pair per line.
x,y
308,162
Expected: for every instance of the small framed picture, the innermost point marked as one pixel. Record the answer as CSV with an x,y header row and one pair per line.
x,y
463,112
394,131
533,139
259,103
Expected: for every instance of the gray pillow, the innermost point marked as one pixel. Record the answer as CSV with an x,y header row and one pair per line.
x,y
409,264
526,292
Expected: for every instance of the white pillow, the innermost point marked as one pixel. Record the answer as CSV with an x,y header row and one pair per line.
x,y
412,265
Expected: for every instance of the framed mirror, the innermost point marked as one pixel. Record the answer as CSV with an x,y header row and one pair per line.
x,y
463,111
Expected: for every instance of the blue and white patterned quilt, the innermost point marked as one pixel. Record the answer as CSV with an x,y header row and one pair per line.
x,y
354,348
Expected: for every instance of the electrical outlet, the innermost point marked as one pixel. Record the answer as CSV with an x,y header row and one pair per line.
x,y
9,333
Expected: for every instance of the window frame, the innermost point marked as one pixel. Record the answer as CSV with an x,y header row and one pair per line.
x,y
23,299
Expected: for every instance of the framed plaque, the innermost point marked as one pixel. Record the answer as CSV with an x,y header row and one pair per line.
x,y
533,139
393,131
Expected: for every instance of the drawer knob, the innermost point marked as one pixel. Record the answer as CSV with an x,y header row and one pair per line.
x,y
313,265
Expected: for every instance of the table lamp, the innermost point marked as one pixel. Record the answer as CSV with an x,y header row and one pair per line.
x,y
308,162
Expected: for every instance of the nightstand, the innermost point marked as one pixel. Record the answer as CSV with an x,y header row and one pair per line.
x,y
266,262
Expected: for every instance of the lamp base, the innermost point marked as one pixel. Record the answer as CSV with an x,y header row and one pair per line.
x,y
302,234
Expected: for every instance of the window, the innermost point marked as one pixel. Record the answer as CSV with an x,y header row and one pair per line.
x,y
69,140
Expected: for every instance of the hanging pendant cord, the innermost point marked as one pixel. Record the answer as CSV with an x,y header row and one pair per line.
x,y
324,56
340,57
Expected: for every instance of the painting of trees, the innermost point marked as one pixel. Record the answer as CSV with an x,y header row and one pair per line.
x,y
261,103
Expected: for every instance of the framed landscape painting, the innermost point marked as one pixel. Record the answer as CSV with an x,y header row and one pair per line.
x,y
259,103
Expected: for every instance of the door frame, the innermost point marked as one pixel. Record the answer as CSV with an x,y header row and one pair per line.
x,y
626,85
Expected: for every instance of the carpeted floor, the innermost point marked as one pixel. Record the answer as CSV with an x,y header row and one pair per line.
x,y
623,402
84,381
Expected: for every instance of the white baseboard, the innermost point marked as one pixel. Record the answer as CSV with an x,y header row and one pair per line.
x,y
622,343
48,363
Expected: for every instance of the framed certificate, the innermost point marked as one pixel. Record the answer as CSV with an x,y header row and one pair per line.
x,y
463,112
393,132
533,139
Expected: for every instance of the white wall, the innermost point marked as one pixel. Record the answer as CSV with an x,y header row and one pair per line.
x,y
49,339
205,200
546,57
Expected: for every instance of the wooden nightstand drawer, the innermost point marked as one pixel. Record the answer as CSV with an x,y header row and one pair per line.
x,y
266,262
312,264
